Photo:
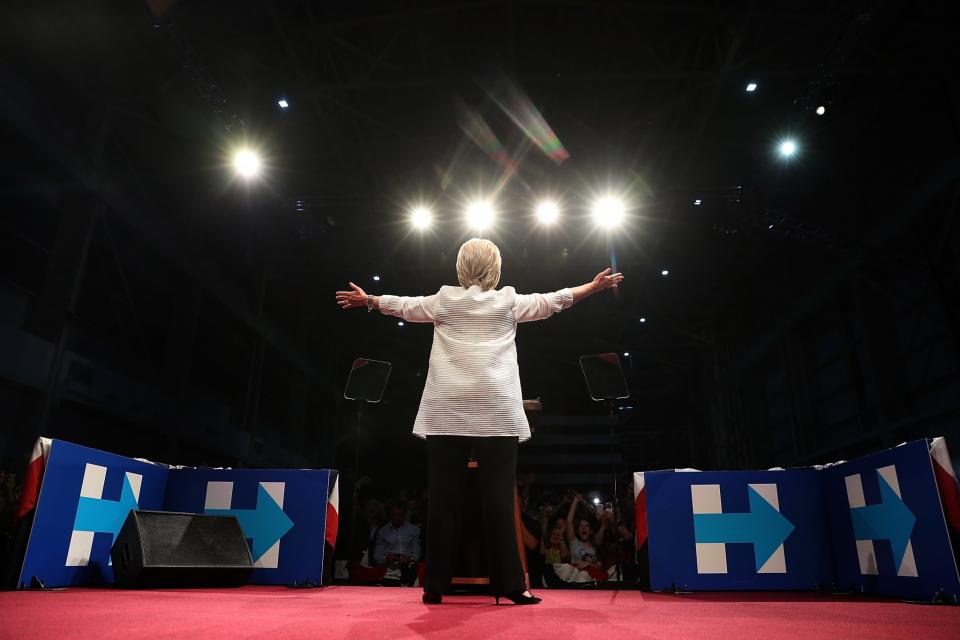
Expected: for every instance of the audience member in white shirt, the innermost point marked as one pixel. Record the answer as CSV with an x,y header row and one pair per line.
x,y
397,546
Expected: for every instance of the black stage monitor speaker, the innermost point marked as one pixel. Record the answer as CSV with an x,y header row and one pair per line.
x,y
167,549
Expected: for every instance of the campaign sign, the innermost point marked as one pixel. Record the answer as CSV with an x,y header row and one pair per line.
x,y
282,514
887,525
730,530
84,499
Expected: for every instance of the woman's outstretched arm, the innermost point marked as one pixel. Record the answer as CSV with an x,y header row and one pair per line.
x,y
539,306
411,309
355,298
603,280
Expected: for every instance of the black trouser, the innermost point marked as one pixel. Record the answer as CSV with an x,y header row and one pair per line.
x,y
497,460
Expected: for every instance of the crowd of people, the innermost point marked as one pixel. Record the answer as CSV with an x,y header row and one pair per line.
x,y
571,538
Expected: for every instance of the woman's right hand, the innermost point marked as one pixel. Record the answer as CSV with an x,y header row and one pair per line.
x,y
352,299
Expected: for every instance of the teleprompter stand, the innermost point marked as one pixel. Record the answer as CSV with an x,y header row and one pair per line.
x,y
366,383
605,382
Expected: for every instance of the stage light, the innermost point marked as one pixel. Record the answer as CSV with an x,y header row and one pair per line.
x,y
376,278
246,163
608,211
421,217
480,215
788,148
548,212
698,202
821,110
751,87
643,320
626,354
400,323
282,103
596,501
665,272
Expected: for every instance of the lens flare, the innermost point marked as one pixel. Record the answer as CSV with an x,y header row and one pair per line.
x,y
520,109
477,129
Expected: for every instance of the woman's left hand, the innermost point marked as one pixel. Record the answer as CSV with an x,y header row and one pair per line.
x,y
352,299
605,279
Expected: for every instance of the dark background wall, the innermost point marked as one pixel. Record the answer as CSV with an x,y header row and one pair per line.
x,y
153,307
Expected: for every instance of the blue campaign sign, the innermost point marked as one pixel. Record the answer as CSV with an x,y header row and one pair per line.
x,y
85,497
264,525
762,526
282,514
736,530
887,525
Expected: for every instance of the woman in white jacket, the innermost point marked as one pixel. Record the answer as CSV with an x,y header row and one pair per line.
x,y
472,401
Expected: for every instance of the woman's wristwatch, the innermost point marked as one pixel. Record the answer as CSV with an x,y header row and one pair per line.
x,y
369,304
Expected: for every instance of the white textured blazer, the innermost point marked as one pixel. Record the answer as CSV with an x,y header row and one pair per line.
x,y
473,384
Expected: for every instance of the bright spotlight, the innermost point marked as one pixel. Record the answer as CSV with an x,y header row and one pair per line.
x,y
788,148
282,103
246,163
376,278
400,323
821,110
480,215
665,272
751,87
698,202
626,354
596,501
548,212
643,320
608,212
421,217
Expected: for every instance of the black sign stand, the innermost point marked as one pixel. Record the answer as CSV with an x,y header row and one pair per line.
x,y
605,382
366,383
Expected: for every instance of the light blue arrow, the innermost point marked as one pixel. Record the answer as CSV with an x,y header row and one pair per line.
x,y
763,526
105,516
265,524
890,520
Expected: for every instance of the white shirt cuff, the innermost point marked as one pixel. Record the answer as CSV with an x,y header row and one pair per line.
x,y
389,305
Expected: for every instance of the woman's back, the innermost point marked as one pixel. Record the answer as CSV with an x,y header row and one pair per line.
x,y
476,317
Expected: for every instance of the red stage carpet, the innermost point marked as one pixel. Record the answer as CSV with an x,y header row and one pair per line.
x,y
371,612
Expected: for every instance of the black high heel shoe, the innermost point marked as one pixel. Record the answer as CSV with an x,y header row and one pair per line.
x,y
517,597
432,598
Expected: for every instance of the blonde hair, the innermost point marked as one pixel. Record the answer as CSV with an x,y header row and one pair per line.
x,y
478,263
